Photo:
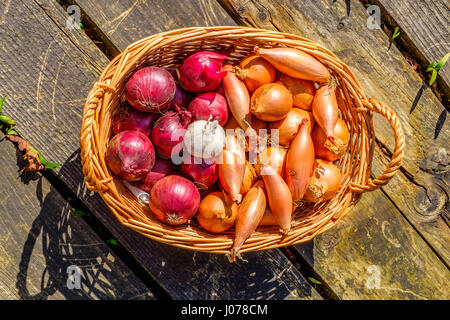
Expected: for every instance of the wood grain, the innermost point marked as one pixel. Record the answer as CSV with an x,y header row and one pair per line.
x,y
52,52
127,21
40,239
424,31
365,51
373,253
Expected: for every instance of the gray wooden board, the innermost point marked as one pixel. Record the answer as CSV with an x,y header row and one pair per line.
x,y
42,243
424,29
128,21
58,67
365,51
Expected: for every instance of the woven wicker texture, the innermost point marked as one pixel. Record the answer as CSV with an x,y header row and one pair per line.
x,y
169,49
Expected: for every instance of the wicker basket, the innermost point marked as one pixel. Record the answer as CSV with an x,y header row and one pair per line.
x,y
169,49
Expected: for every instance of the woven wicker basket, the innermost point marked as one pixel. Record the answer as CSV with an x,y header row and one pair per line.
x,y
169,49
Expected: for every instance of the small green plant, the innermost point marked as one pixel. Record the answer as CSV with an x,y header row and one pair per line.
x,y
79,213
81,27
396,33
6,123
113,242
434,68
44,162
313,280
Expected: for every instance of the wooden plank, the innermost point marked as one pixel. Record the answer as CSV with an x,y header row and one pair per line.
x,y
424,29
373,253
362,49
127,21
40,239
55,53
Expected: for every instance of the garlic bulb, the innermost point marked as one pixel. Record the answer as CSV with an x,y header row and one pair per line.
x,y
204,139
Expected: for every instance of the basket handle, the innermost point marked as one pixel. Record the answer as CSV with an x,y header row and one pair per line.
x,y
91,169
397,156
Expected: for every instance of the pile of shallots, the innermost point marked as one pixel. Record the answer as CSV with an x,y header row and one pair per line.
x,y
231,146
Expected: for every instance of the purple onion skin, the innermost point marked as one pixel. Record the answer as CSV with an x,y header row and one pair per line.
x,y
130,155
162,168
203,174
182,98
209,104
174,200
133,119
202,71
165,127
150,89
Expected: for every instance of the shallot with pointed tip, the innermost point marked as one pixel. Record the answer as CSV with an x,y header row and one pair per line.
x,y
295,63
300,162
232,167
249,215
279,198
325,109
237,97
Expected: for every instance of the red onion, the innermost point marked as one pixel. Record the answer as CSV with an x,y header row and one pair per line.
x,y
162,168
202,71
130,155
150,89
209,104
174,200
203,174
181,98
131,119
220,90
168,131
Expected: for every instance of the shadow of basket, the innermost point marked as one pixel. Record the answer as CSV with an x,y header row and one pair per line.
x,y
78,265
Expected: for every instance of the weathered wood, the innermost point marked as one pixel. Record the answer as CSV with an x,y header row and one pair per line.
x,y
373,253
40,239
424,31
127,21
56,111
363,50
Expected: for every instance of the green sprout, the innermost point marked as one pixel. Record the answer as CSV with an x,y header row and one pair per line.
x,y
79,213
44,162
7,124
315,281
396,33
113,242
434,68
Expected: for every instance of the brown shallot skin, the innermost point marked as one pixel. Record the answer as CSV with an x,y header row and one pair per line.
x,y
271,102
325,183
295,63
238,97
232,167
279,198
250,213
325,108
302,91
288,126
300,162
255,72
331,150
268,219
